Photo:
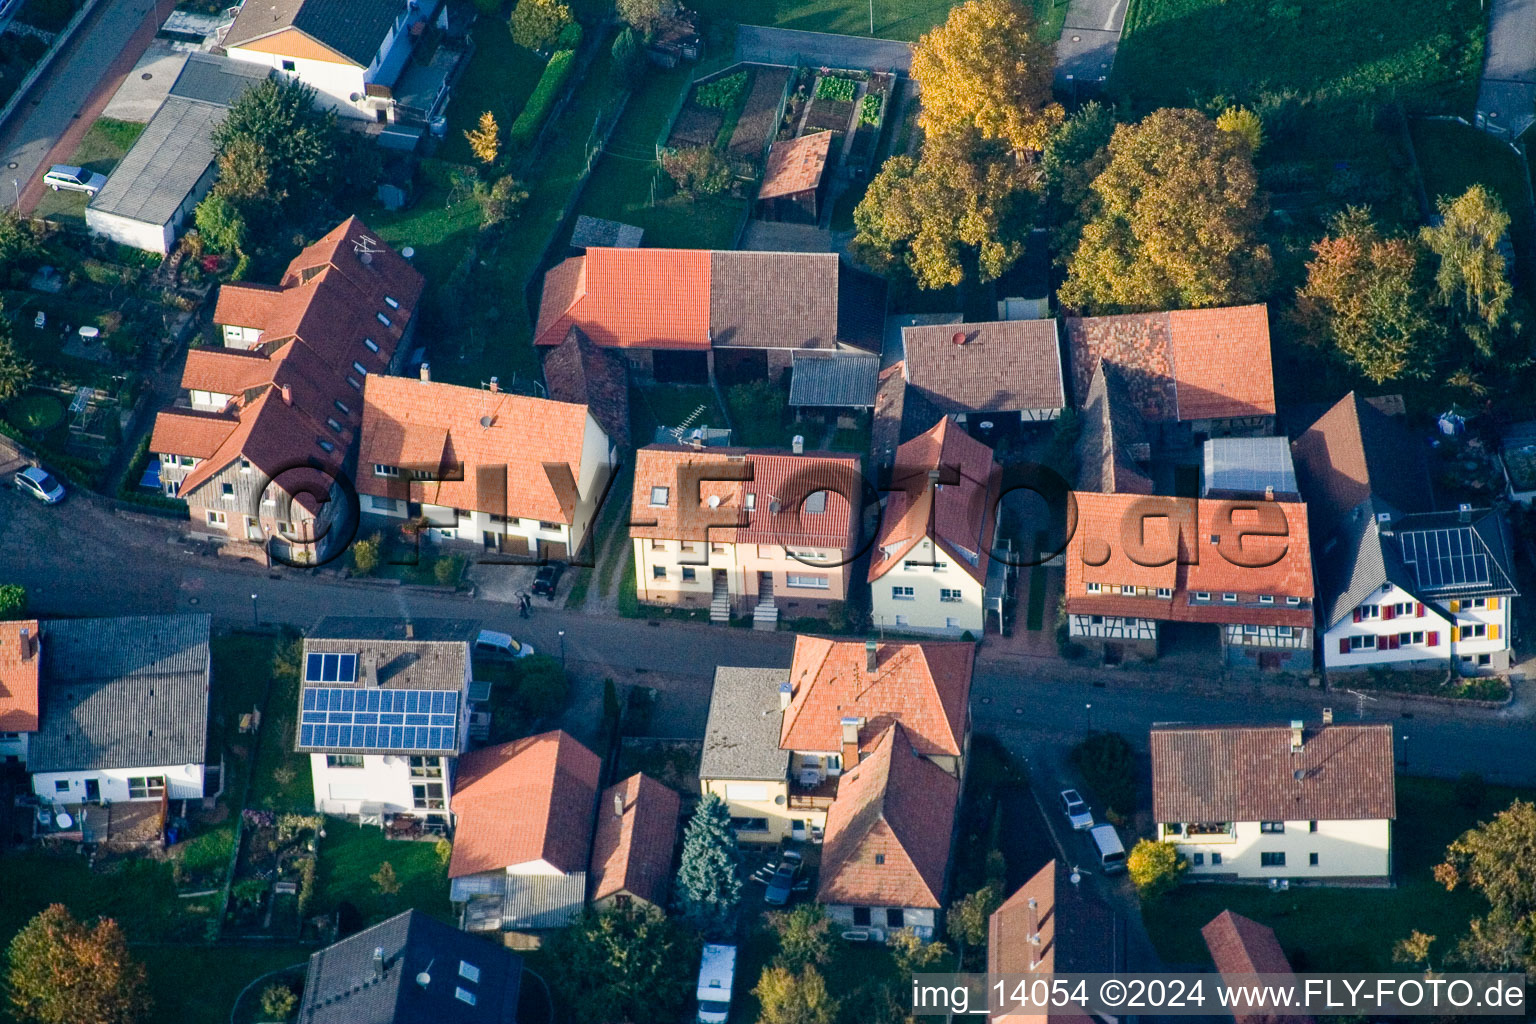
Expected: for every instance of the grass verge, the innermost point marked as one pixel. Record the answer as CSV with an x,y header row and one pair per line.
x,y
350,855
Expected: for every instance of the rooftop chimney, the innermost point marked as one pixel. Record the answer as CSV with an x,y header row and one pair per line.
x,y
785,693
1269,492
869,656
1327,716
410,631
850,743
378,961
26,644
1296,743
933,478
495,385
426,371
618,804
797,444
958,338
287,395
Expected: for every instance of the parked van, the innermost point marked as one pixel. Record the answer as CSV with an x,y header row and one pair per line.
x,y
717,972
501,645
1111,851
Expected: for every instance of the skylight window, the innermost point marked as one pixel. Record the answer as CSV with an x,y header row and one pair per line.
x,y
370,345
383,319
325,445
659,497
464,995
468,971
391,302
360,368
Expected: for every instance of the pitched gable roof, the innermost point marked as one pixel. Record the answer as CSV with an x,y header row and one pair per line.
x,y
1240,947
774,299
632,851
1341,773
578,371
924,686
352,28
1354,452
1051,925
888,830
1113,443
225,371
191,432
502,443
795,165
245,304
1002,366
19,661
525,801
957,515
1184,365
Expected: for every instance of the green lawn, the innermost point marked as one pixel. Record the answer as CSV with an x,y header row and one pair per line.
x,y
1308,921
242,673
440,231
621,186
499,78
139,893
667,405
894,19
350,855
199,985
1453,156
104,144
1427,51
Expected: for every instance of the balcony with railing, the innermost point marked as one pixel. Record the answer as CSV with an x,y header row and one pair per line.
x,y
1204,833
806,795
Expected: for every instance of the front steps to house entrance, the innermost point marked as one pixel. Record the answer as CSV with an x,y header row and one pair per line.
x,y
765,615
720,601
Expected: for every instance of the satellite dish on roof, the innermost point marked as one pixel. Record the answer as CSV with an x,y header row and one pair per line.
x,y
408,251
486,421
423,979
714,501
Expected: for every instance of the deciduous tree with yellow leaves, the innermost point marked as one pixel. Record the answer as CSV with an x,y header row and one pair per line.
x,y
1172,222
485,139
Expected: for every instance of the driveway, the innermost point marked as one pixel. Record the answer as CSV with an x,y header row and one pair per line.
x,y
1086,50
1506,100
64,102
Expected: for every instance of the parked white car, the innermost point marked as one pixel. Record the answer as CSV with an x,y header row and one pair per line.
x,y
74,179
501,645
1076,810
40,484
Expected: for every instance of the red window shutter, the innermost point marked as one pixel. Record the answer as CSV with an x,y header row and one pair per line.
x,y
1434,638
1418,611
1389,611
1343,645
1395,641
1357,614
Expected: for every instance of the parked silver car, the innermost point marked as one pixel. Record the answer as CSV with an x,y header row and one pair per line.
x,y
74,179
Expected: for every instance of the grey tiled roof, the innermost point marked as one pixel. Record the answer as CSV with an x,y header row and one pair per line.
x,y
1000,366
840,381
176,148
127,692
741,740
345,985
598,231
353,28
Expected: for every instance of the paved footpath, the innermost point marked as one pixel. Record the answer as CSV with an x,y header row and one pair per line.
x,y
71,94
1506,99
1089,37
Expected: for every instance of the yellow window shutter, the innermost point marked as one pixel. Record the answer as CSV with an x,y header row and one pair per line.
x,y
1455,606
1493,632
1493,603
1455,633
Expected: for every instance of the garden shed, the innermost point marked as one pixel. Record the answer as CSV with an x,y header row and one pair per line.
x,y
794,182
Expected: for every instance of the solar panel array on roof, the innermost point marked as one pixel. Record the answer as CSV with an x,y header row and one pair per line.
x,y
1446,559
349,718
330,668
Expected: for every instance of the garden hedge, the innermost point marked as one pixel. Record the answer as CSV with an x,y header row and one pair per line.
x,y
526,128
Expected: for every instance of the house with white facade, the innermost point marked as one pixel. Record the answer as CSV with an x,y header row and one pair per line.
x,y
1401,586
862,746
355,54
741,530
506,473
929,570
123,710
525,814
383,714
1293,803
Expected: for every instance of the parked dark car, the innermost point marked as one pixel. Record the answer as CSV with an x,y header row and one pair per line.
x,y
548,578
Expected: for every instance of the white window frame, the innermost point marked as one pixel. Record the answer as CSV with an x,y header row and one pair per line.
x,y
665,494
900,593
1093,588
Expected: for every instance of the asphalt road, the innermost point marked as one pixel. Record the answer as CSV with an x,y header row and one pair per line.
x,y
82,559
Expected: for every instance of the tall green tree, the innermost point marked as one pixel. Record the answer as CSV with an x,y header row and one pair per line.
x,y
805,936
221,224
1497,859
13,600
1172,222
16,370
19,252
537,23
969,917
278,119
646,16
787,997
709,878
1472,278
60,971
1366,298
624,964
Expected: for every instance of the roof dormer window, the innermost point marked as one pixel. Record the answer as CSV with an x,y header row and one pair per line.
x,y
360,368
370,345
391,302
383,319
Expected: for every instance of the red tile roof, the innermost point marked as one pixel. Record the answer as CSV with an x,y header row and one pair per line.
x,y
1341,773
20,655
957,516
1022,938
924,686
409,422
629,298
1242,947
632,851
1189,545
1184,365
526,801
778,477
324,318
888,829
191,432
795,165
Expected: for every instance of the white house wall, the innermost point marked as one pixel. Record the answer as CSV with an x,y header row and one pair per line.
x,y
1345,849
925,611
136,234
13,748
383,779
1438,619
334,84
183,781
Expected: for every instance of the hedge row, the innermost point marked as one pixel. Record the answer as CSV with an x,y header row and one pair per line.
x,y
128,490
526,128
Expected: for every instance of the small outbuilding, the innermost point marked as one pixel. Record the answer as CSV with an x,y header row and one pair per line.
x,y
794,182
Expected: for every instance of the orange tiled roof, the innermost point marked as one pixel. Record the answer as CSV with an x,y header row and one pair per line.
x,y
20,654
778,477
224,371
924,686
958,517
1188,545
795,165
632,851
888,829
245,304
409,422
525,801
191,432
1240,946
629,298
